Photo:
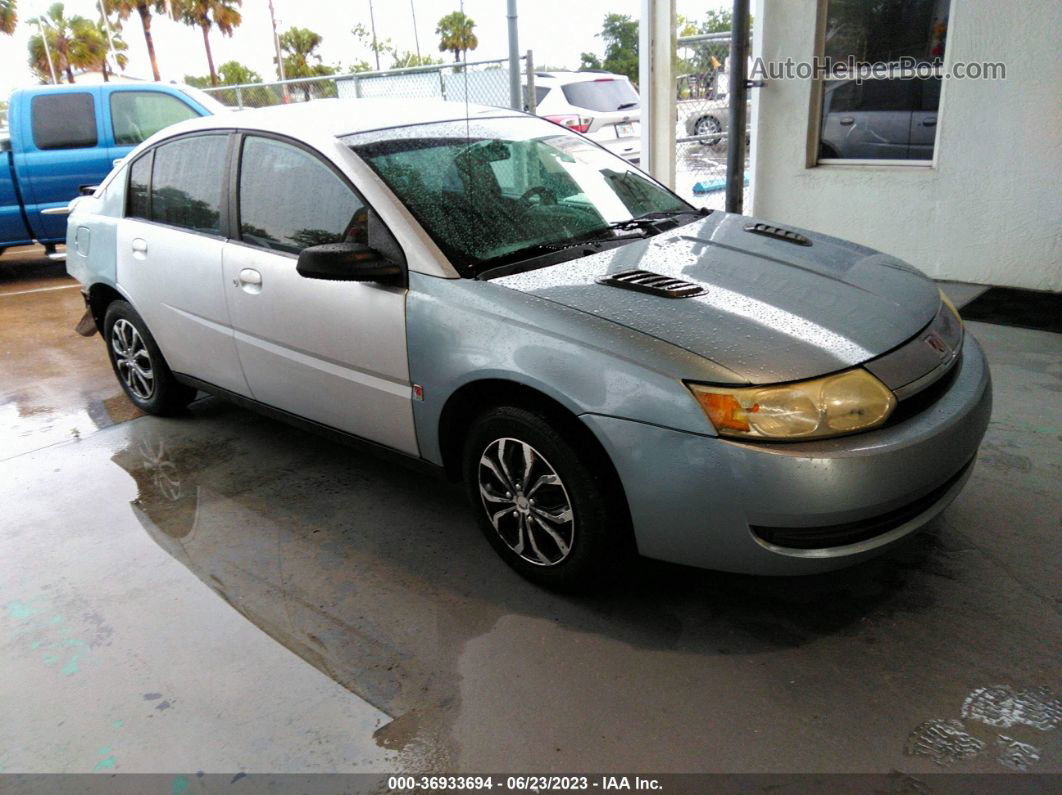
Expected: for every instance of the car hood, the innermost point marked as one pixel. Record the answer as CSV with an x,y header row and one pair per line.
x,y
772,310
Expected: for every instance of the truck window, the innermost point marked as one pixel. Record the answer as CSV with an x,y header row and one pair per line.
x,y
137,115
63,121
186,183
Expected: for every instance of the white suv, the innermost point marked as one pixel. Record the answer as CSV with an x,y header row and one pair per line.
x,y
601,105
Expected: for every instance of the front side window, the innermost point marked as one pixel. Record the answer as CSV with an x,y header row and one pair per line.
x,y
290,200
186,183
137,115
64,121
892,114
487,190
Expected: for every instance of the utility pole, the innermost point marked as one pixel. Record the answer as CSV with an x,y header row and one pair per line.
x,y
372,24
110,40
42,23
416,38
276,46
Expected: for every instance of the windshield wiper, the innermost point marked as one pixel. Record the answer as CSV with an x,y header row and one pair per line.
x,y
651,220
626,105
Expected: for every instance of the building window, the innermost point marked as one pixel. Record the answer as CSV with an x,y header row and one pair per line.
x,y
881,93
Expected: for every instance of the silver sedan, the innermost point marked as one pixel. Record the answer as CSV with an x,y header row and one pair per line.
x,y
498,300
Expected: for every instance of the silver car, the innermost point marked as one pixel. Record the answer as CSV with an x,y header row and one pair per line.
x,y
502,301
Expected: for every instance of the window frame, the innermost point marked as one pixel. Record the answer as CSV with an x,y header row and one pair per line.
x,y
236,169
818,96
224,216
149,92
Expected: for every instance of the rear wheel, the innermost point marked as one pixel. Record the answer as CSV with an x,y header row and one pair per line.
x,y
139,365
542,502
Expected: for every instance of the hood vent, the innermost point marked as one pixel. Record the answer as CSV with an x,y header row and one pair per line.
x,y
778,233
652,283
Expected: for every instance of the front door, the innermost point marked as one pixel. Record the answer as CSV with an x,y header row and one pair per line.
x,y
330,351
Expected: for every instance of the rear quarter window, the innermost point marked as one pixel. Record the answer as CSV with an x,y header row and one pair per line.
x,y
63,121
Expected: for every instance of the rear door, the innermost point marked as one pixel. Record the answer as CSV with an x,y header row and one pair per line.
x,y
870,120
169,247
330,351
62,152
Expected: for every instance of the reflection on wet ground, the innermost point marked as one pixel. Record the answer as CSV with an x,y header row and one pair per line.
x,y
381,580
54,384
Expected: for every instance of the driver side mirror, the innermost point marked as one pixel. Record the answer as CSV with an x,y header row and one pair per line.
x,y
348,262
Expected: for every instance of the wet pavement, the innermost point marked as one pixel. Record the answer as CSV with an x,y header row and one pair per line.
x,y
221,592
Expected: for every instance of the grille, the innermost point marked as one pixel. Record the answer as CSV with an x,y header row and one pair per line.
x,y
653,283
839,535
788,235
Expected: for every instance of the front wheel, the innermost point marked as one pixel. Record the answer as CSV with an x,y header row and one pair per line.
x,y
546,506
138,363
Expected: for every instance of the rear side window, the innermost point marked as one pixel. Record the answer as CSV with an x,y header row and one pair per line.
x,y
137,115
186,183
139,183
63,121
290,200
602,94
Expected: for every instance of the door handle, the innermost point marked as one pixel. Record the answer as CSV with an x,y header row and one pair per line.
x,y
250,276
846,121
249,280
139,245
932,122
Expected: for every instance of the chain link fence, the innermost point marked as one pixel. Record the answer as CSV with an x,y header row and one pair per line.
x,y
703,110
480,82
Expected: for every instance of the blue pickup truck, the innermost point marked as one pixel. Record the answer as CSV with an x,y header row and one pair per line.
x,y
64,139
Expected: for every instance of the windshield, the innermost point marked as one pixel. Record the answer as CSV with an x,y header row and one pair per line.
x,y
602,94
489,190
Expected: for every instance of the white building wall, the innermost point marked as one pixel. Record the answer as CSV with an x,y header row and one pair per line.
x,y
990,208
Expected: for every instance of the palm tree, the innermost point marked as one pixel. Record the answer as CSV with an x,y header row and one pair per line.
x,y
206,13
144,9
8,16
456,36
298,47
61,33
92,47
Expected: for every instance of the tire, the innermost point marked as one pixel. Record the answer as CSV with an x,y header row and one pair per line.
x,y
577,554
709,129
139,365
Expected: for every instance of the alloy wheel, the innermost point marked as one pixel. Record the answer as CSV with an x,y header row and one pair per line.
x,y
526,502
132,359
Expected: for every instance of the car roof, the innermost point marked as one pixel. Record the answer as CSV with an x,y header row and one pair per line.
x,y
340,116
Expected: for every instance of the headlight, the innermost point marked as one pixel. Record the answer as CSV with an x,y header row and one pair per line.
x,y
831,406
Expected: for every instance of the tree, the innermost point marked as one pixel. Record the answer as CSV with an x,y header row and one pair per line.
x,y
92,46
8,16
456,35
408,59
144,9
588,60
70,40
620,34
204,14
298,47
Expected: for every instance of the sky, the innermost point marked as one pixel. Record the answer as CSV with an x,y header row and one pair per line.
x,y
556,30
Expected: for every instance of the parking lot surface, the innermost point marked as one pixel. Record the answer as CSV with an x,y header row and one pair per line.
x,y
221,592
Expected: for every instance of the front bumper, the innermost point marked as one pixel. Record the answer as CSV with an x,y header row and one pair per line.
x,y
697,499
